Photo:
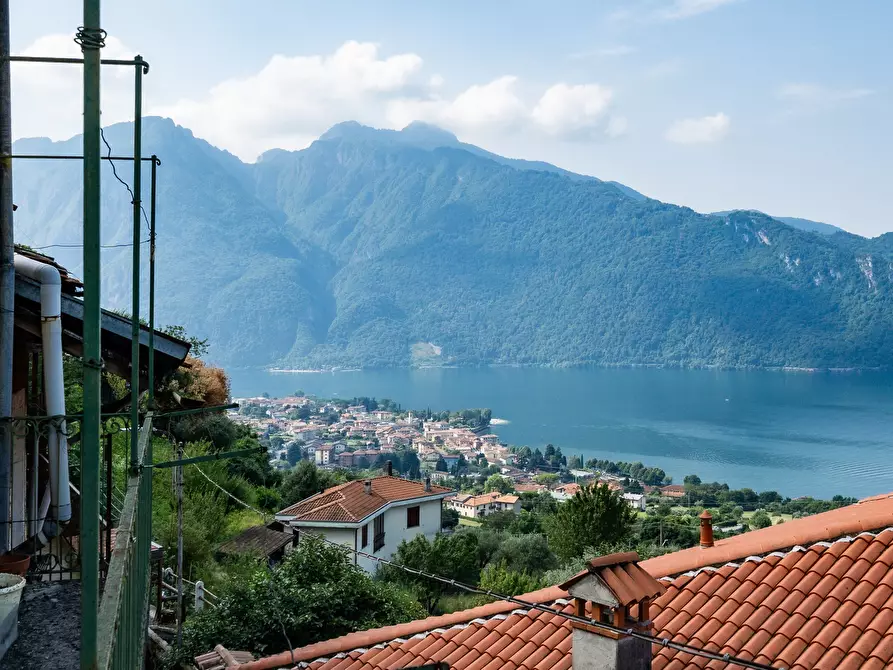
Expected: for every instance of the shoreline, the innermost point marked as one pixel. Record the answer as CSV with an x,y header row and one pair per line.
x,y
655,366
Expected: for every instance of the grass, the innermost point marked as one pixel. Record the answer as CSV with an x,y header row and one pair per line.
x,y
464,521
775,517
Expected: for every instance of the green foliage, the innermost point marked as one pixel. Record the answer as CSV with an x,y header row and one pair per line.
x,y
449,518
499,483
760,520
453,556
652,476
499,520
595,515
198,346
547,479
525,523
497,577
304,481
645,551
316,593
293,454
526,553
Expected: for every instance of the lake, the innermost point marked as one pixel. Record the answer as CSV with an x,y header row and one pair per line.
x,y
797,433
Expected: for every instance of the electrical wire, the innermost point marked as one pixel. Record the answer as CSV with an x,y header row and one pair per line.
x,y
661,641
133,198
79,246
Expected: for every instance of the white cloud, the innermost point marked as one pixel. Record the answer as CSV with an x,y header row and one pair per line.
x,y
814,95
47,99
568,111
701,130
294,99
683,9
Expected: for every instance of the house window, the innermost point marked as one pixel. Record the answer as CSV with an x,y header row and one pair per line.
x,y
378,540
412,516
365,536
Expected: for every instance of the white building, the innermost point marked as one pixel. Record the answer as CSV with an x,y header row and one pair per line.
x,y
324,454
476,507
373,516
635,500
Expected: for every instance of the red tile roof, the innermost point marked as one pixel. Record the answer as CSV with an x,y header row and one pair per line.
x,y
349,502
622,575
828,605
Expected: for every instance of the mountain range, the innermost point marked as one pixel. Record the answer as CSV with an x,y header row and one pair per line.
x,y
397,248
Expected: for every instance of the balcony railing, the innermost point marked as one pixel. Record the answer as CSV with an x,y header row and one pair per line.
x,y
124,609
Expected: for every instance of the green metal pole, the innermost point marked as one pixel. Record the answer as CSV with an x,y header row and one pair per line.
x,y
152,287
91,38
135,308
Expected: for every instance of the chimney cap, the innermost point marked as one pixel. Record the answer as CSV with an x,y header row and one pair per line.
x,y
615,579
705,515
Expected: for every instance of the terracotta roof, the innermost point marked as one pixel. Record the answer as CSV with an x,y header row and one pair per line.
x,y
349,502
486,499
869,514
256,540
828,605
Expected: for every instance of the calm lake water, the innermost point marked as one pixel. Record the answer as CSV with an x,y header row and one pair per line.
x,y
796,433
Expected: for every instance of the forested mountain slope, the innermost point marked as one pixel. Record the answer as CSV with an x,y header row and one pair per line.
x,y
373,248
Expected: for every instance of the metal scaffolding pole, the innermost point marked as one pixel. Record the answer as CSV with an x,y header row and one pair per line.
x,y
152,286
137,225
7,277
91,38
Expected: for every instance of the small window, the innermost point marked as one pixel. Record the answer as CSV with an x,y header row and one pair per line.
x,y
365,536
378,539
412,516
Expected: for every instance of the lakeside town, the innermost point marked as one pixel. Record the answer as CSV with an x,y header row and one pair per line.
x,y
457,450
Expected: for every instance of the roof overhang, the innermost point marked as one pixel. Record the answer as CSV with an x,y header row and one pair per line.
x,y
296,522
170,352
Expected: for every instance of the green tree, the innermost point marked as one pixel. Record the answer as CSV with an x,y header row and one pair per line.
x,y
303,482
525,523
315,594
595,515
760,520
526,553
499,520
691,481
497,577
293,454
454,556
499,483
547,479
449,518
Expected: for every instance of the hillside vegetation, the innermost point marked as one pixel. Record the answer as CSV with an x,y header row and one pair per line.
x,y
382,248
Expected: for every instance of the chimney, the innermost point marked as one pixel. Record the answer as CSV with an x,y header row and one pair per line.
x,y
706,529
390,469
613,590
427,483
367,487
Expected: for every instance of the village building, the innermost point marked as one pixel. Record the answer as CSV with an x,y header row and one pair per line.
x,y
372,516
476,507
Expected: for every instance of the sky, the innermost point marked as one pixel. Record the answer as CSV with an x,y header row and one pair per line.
x,y
778,105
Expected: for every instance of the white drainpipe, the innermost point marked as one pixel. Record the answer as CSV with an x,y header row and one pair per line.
x,y
51,335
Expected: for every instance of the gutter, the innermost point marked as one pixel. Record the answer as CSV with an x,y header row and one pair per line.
x,y
53,379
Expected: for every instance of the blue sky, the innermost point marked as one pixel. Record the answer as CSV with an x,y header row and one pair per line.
x,y
778,105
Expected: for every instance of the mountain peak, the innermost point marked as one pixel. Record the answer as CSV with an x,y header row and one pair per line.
x,y
419,132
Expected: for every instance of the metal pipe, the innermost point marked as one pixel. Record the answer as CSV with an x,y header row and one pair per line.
x,y
178,473
152,286
76,61
54,382
135,309
7,280
92,333
108,502
75,158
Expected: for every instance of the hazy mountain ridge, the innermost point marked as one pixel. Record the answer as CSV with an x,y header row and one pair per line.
x,y
368,242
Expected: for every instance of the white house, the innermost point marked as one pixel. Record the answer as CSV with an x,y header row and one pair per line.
x,y
324,454
372,516
635,500
476,507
